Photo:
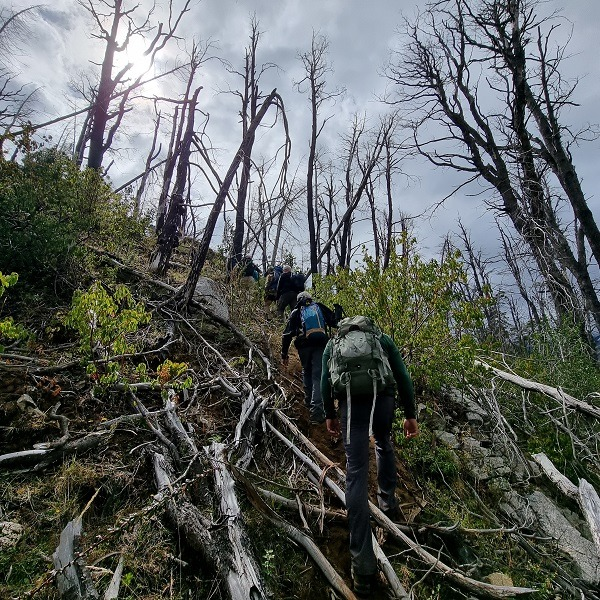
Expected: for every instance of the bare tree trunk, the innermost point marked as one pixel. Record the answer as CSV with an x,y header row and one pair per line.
x,y
202,250
170,162
377,148
369,190
152,155
168,236
122,19
544,111
249,107
387,251
106,88
316,68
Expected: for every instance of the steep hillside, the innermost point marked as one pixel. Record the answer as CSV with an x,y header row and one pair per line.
x,y
189,463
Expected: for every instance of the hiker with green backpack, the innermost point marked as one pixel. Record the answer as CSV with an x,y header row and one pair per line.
x,y
362,369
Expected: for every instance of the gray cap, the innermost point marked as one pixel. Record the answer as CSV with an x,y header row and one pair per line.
x,y
303,296
287,269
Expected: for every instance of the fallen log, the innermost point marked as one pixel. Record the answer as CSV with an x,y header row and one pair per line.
x,y
172,448
196,529
253,408
243,576
26,461
557,394
186,446
585,494
590,504
563,483
112,591
292,505
72,576
297,536
64,429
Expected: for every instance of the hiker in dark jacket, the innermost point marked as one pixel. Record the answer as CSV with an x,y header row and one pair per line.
x,y
286,291
244,268
310,344
249,271
356,421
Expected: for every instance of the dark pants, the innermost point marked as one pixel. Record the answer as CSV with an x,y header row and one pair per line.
x,y
286,299
357,473
311,358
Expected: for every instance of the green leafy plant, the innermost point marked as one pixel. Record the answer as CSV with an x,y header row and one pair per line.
x,y
104,319
419,304
9,330
269,562
425,456
51,211
172,373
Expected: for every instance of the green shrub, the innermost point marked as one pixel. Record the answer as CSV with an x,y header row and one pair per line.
x,y
104,317
560,357
419,304
50,210
426,457
9,330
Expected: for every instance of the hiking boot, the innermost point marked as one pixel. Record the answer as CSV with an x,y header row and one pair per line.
x,y
362,585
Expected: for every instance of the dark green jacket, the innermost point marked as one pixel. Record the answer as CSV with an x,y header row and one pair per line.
x,y
402,378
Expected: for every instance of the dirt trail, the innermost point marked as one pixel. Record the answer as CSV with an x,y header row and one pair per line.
x,y
335,541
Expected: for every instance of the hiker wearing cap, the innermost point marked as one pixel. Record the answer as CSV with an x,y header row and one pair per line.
x,y
362,369
308,324
286,291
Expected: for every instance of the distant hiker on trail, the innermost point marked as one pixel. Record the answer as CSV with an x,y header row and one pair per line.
x,y
362,369
271,281
244,268
309,323
287,290
248,270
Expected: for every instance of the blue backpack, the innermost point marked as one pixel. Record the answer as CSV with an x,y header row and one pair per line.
x,y
313,322
298,282
277,271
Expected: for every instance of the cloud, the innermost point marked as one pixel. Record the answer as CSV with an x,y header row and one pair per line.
x,y
360,35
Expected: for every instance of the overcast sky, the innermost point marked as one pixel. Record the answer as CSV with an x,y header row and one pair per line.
x,y
360,35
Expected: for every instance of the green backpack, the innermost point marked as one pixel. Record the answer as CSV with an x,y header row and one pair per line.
x,y
358,364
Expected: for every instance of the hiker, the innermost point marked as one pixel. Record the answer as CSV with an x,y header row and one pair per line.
x,y
308,323
287,291
271,281
249,272
362,369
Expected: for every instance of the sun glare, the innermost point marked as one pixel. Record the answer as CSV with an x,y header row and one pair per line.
x,y
134,55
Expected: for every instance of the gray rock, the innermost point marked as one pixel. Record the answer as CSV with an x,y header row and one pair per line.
x,y
497,465
207,292
475,408
10,534
478,472
448,439
501,484
554,524
473,447
475,419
